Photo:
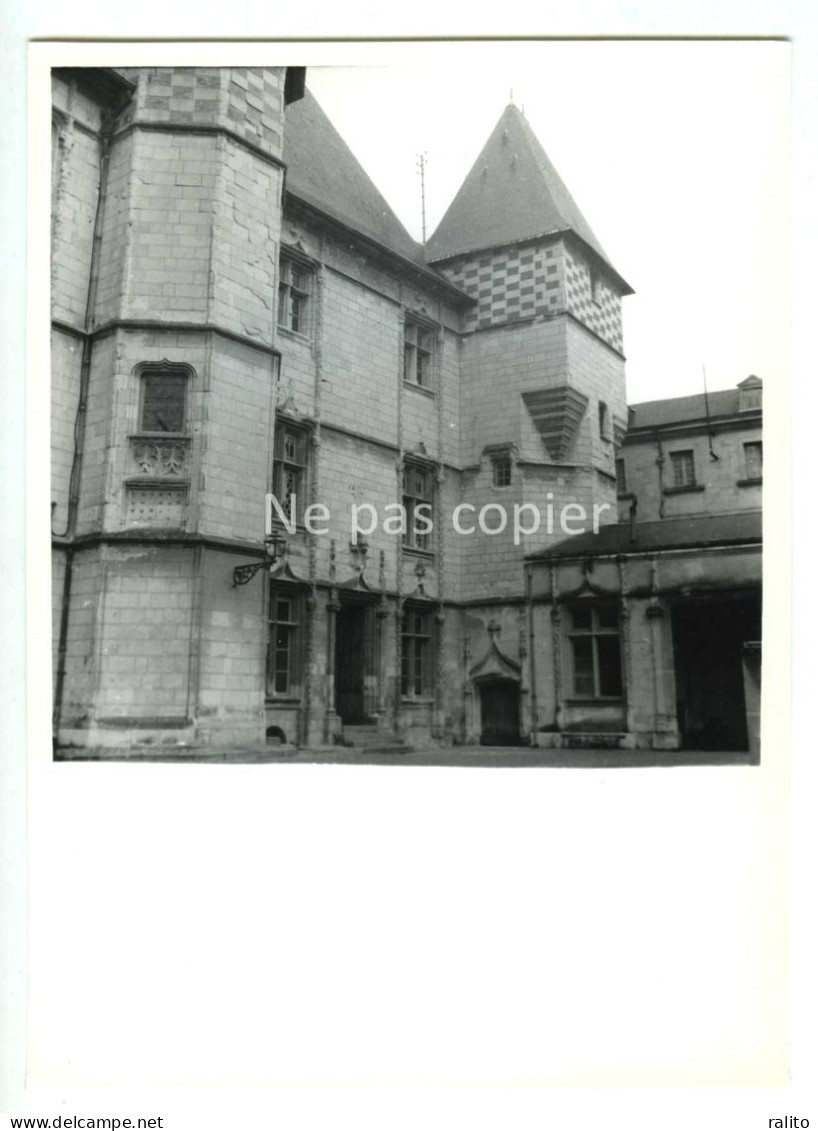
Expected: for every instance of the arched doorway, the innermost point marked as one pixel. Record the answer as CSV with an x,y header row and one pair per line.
x,y
499,712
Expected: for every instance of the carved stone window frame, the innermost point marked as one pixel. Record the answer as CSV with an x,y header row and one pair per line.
x,y
296,285
163,368
421,348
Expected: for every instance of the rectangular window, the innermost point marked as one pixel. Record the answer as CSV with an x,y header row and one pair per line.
x,y
290,467
416,655
501,471
753,460
604,421
418,502
163,402
596,662
283,648
294,290
684,469
418,352
750,398
596,286
621,478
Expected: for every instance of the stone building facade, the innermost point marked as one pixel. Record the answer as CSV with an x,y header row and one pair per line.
x,y
238,317
649,632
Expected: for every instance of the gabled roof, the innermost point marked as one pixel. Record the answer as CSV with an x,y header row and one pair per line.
x,y
684,410
322,171
512,193
666,534
680,410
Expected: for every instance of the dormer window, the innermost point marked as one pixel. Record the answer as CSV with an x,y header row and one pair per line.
x,y
501,470
749,394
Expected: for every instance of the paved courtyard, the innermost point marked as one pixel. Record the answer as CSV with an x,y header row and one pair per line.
x,y
516,757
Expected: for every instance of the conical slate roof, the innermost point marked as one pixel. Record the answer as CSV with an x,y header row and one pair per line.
x,y
512,193
322,170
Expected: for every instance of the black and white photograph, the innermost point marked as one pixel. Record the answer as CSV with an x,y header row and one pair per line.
x,y
333,485
408,594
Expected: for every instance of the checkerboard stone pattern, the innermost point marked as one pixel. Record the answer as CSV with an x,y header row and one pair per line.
x,y
247,100
602,314
510,284
516,283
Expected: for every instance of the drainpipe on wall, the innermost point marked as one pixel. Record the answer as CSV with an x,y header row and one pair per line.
x,y
660,464
79,422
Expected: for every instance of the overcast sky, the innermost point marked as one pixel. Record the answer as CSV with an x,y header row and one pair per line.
x,y
676,153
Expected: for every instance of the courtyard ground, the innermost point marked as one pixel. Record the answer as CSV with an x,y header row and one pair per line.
x,y
486,757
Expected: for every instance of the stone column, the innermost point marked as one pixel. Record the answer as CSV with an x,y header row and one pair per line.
x,y
396,706
331,720
556,643
525,735
625,647
665,723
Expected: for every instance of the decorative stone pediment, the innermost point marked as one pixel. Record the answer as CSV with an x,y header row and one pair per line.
x,y
588,587
358,584
495,664
283,571
289,405
556,414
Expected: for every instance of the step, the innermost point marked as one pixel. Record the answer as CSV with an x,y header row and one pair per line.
x,y
584,740
364,737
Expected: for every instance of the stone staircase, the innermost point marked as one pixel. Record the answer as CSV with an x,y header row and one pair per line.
x,y
367,738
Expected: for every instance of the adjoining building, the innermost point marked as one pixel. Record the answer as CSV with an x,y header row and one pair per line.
x,y
653,625
237,312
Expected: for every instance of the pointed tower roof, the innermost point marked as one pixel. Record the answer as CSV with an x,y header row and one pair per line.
x,y
322,170
512,193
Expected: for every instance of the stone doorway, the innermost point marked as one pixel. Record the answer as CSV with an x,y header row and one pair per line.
x,y
500,713
354,663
